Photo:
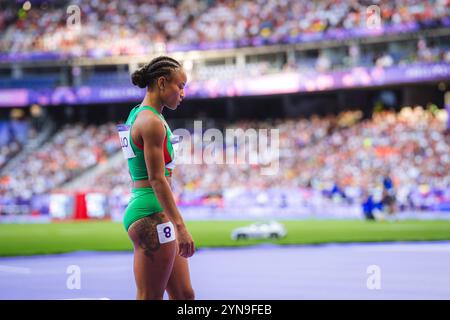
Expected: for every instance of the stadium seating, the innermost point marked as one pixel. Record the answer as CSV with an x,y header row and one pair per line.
x,y
411,146
69,152
138,26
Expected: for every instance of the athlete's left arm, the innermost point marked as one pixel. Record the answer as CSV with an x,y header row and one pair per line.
x,y
169,181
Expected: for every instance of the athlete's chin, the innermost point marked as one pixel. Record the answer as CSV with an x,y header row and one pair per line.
x,y
174,107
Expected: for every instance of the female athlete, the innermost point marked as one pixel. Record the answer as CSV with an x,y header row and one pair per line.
x,y
154,224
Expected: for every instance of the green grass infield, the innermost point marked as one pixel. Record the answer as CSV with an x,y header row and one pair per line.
x,y
32,239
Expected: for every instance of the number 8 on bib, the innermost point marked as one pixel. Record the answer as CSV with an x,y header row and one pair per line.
x,y
166,233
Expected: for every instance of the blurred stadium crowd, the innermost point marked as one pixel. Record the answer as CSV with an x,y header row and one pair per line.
x,y
117,28
13,134
141,26
66,154
344,156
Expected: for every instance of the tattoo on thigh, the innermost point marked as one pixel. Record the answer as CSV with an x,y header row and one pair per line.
x,y
148,236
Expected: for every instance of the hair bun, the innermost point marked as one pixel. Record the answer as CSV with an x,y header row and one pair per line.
x,y
138,78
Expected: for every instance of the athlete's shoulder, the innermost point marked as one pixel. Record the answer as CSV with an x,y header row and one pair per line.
x,y
151,126
149,117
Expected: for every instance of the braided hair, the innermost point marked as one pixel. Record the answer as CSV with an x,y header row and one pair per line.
x,y
159,67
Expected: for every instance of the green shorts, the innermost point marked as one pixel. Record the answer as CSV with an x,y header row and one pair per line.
x,y
143,203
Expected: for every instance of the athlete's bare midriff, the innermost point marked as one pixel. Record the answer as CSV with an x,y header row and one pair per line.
x,y
146,184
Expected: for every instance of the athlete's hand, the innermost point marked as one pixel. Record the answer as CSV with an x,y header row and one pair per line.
x,y
186,247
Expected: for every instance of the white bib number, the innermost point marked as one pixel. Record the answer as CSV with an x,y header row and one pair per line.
x,y
125,141
174,140
166,232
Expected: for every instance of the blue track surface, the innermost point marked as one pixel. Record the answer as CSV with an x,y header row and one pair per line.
x,y
406,271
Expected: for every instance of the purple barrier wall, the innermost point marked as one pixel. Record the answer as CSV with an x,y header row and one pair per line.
x,y
269,84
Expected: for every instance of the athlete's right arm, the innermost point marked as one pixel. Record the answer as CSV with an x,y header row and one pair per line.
x,y
153,134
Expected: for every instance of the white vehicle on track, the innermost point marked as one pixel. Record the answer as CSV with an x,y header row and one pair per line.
x,y
260,230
